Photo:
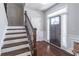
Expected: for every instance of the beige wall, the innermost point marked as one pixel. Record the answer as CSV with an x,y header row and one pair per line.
x,y
15,14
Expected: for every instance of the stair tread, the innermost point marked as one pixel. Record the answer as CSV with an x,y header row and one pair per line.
x,y
14,44
15,31
25,54
15,52
13,38
15,27
14,48
15,35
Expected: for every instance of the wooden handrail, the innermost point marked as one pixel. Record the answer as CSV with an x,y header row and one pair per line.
x,y
5,5
28,20
33,42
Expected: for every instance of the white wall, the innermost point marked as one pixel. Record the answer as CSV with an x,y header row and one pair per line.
x,y
36,18
73,24
3,24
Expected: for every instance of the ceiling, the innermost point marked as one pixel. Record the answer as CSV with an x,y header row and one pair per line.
x,y
39,6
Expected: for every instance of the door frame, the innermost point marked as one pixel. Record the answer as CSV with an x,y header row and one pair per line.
x,y
60,12
55,28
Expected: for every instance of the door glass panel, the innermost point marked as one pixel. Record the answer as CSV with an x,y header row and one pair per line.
x,y
52,21
55,20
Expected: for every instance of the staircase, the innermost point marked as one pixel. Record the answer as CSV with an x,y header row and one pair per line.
x,y
20,40
16,42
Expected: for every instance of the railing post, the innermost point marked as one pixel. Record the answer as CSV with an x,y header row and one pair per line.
x,y
25,18
31,35
34,42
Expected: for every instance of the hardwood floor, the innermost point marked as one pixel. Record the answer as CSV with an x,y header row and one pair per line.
x,y
45,49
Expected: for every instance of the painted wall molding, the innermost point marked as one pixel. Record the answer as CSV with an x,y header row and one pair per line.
x,y
73,37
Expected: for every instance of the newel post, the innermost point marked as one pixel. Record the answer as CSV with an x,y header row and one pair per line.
x,y
34,42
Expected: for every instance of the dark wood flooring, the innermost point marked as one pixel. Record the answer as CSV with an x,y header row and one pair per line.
x,y
45,49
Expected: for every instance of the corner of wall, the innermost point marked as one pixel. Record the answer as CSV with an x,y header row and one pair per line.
x,y
3,24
